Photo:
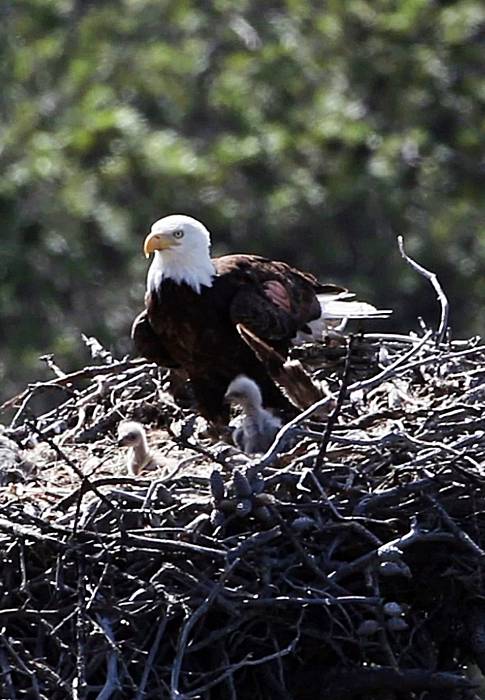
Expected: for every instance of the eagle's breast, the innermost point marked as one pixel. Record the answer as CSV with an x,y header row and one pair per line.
x,y
194,327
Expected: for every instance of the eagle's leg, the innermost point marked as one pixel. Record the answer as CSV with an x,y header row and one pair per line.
x,y
178,385
209,395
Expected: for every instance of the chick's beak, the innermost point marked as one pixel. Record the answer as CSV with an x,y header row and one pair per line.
x,y
157,241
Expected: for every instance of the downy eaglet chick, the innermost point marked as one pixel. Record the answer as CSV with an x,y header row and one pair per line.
x,y
139,458
259,426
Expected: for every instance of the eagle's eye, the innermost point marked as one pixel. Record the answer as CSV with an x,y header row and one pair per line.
x,y
178,234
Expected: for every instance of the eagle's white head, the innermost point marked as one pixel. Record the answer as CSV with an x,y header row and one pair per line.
x,y
181,247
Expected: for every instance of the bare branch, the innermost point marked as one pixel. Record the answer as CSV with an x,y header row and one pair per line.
x,y
431,277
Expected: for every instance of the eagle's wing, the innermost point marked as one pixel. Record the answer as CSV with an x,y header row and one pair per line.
x,y
148,344
256,311
252,304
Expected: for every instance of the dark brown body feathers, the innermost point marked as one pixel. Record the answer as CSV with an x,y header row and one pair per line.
x,y
197,332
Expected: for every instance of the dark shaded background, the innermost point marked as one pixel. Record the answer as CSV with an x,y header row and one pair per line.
x,y
311,132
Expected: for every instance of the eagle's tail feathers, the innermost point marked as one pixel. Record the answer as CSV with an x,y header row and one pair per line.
x,y
336,311
340,309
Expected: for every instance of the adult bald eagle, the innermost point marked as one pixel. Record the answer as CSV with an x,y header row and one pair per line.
x,y
194,304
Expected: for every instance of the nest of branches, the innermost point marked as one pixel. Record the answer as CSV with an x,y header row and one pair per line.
x,y
345,562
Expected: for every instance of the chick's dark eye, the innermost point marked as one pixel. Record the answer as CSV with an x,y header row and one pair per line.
x,y
178,234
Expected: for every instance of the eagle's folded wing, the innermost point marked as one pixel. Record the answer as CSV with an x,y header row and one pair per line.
x,y
258,313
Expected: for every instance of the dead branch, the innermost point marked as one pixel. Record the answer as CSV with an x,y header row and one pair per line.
x,y
431,277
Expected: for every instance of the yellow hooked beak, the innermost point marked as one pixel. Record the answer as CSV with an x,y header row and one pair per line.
x,y
158,241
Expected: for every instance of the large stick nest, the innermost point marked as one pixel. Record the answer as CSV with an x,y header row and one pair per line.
x,y
346,562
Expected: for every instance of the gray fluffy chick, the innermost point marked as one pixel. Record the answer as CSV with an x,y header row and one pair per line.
x,y
259,426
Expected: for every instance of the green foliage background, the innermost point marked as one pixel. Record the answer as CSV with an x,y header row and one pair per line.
x,y
309,131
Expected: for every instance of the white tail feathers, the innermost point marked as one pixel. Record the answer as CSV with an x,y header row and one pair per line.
x,y
337,309
342,309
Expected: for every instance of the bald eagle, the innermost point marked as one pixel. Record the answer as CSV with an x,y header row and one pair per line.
x,y
194,303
